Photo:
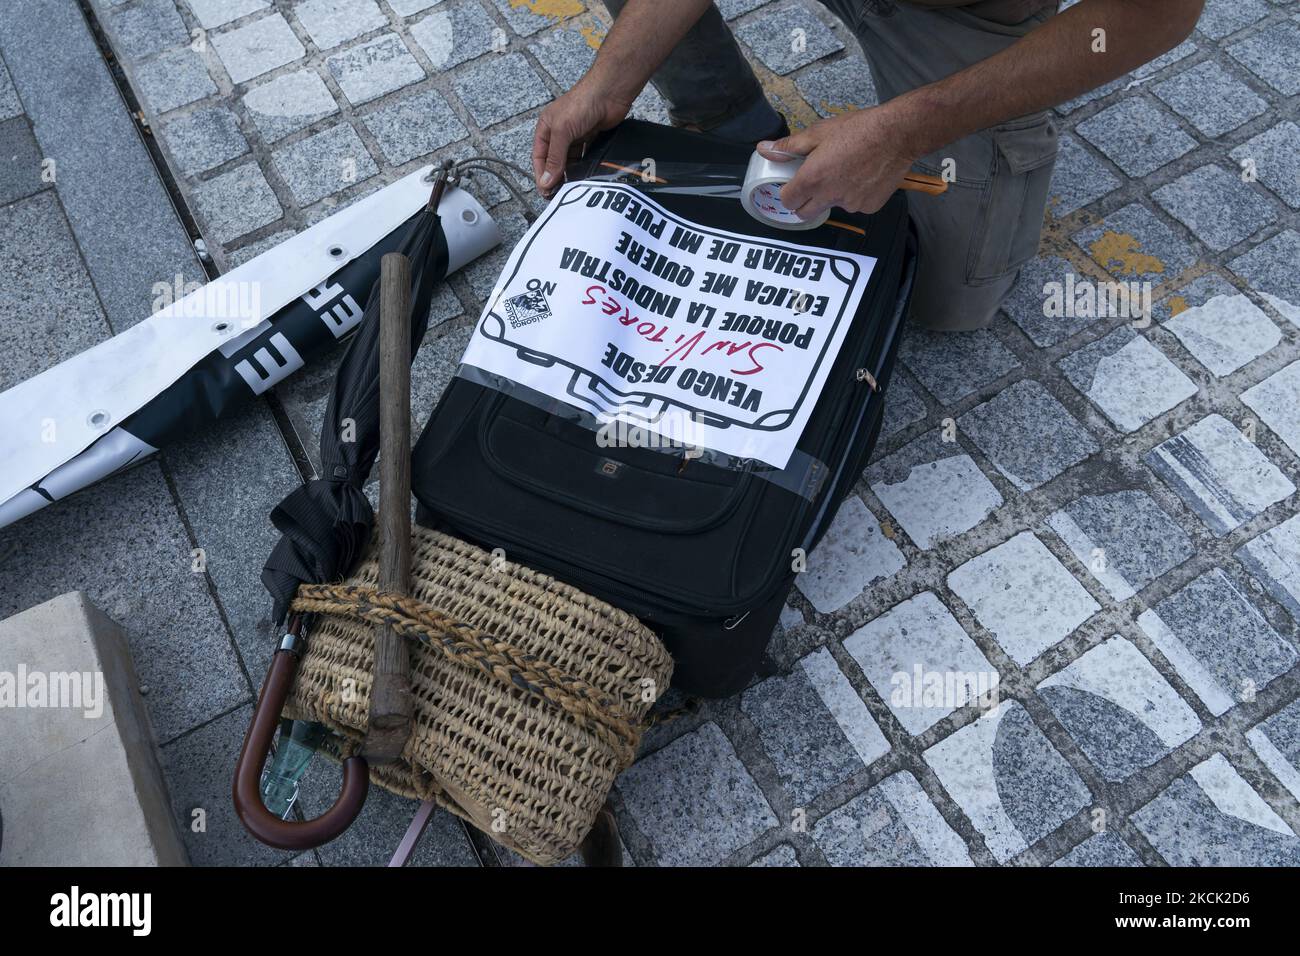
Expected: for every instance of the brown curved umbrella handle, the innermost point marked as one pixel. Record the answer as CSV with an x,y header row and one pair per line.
x,y
257,819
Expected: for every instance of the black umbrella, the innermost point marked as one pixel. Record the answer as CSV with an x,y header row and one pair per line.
x,y
326,522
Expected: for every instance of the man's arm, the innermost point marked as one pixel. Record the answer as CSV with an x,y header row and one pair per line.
x,y
856,161
637,45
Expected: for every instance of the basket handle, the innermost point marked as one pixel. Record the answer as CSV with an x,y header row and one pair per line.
x,y
252,812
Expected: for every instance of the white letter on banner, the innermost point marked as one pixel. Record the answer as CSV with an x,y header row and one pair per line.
x,y
275,372
343,318
322,294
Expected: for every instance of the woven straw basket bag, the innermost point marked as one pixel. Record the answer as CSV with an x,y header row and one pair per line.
x,y
530,696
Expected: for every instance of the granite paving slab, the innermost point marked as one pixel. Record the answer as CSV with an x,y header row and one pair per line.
x,y
1118,708
371,69
1270,269
1078,179
1217,641
1220,18
149,26
1210,98
324,163
497,89
922,663
694,800
1277,743
566,53
1027,434
1216,205
1276,401
414,126
204,138
892,824
48,295
237,202
933,489
1025,303
124,544
257,47
1272,54
1222,328
952,365
331,22
1274,559
1274,156
1123,538
903,407
174,79
814,726
1103,849
838,86
288,103
1008,779
1133,243
1219,473
1042,507
1023,595
787,37
1128,378
854,554
1136,135
1210,816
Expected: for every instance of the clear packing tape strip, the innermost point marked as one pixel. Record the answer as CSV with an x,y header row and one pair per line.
x,y
757,186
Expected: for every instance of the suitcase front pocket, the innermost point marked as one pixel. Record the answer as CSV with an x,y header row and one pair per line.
x,y
638,488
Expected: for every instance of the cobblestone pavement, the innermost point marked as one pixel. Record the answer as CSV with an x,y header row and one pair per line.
x,y
1096,514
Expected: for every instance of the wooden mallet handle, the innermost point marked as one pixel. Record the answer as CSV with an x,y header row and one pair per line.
x,y
391,703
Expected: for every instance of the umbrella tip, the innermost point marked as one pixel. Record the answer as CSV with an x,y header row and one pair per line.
x,y
441,177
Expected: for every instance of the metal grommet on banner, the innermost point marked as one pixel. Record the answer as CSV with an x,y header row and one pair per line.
x,y
761,194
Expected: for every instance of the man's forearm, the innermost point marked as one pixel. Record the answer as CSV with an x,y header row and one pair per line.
x,y
641,39
1052,64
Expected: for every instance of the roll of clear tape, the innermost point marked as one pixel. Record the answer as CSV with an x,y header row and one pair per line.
x,y
761,194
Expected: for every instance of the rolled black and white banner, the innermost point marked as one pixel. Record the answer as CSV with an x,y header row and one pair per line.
x,y
186,365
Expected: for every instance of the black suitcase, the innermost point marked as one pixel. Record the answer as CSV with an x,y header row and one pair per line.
x,y
704,555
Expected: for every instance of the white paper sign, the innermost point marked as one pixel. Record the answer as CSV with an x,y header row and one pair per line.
x,y
614,305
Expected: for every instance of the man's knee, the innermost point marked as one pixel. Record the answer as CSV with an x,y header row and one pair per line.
x,y
943,301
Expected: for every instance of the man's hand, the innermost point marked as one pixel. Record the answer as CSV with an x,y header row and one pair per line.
x,y
567,124
855,161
